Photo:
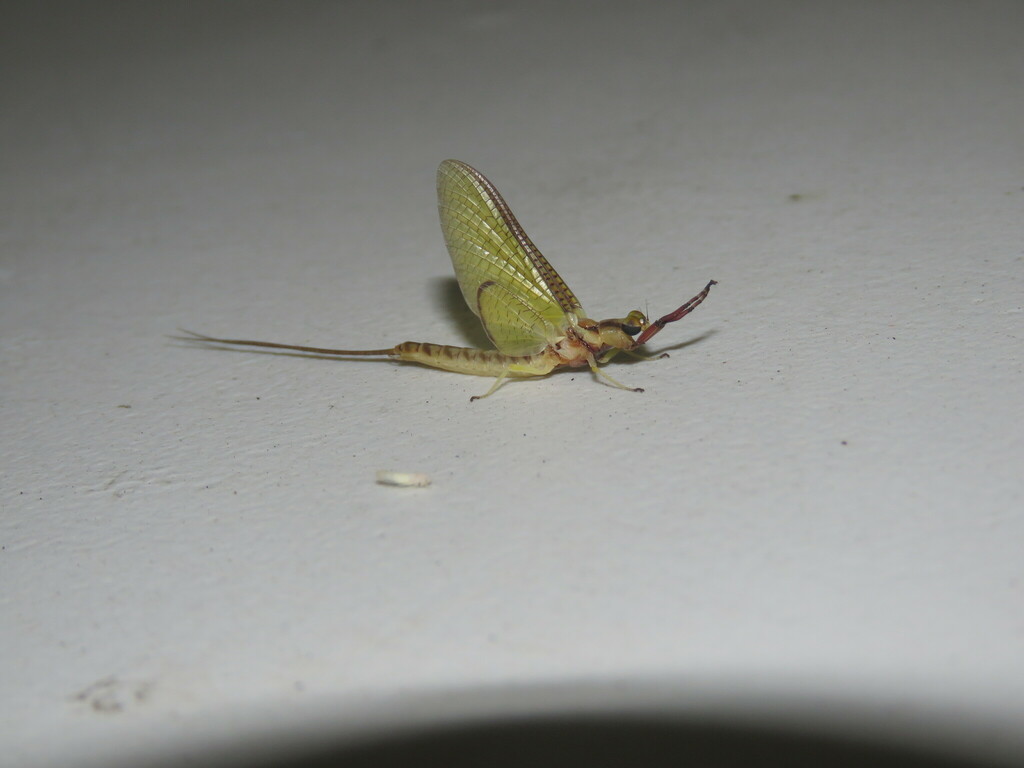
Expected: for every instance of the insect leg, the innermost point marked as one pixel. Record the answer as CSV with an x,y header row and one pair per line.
x,y
602,374
497,383
671,317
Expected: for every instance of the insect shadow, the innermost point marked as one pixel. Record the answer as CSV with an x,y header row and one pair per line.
x,y
671,348
448,299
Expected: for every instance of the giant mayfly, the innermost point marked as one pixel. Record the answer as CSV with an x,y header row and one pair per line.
x,y
534,320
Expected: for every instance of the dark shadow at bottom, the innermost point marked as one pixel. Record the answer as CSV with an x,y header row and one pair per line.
x,y
614,742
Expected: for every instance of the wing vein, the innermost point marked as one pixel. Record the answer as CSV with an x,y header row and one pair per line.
x,y
488,245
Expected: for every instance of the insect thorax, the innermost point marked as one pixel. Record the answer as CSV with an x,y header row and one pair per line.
x,y
587,338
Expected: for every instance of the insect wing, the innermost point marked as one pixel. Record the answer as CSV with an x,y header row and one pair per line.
x,y
487,244
513,325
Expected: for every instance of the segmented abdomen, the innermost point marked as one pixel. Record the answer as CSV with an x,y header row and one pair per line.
x,y
477,362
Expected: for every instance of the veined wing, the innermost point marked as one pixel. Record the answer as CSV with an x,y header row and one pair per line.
x,y
512,324
487,244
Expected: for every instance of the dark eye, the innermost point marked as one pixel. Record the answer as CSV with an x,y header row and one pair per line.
x,y
630,330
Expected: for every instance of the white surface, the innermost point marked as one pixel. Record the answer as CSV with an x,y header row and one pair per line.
x,y
819,495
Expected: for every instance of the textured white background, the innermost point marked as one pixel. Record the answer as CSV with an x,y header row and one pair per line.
x,y
819,496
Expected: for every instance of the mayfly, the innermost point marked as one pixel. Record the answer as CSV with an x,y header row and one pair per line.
x,y
528,312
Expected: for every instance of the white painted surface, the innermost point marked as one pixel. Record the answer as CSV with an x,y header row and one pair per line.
x,y
819,496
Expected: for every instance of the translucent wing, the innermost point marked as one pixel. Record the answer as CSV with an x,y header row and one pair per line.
x,y
487,244
515,327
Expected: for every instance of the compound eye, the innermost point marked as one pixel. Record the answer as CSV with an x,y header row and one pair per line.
x,y
634,322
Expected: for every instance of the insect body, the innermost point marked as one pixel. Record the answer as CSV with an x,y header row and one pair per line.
x,y
534,320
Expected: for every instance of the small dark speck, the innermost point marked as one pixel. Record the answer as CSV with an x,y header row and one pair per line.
x,y
796,197
843,442
124,406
